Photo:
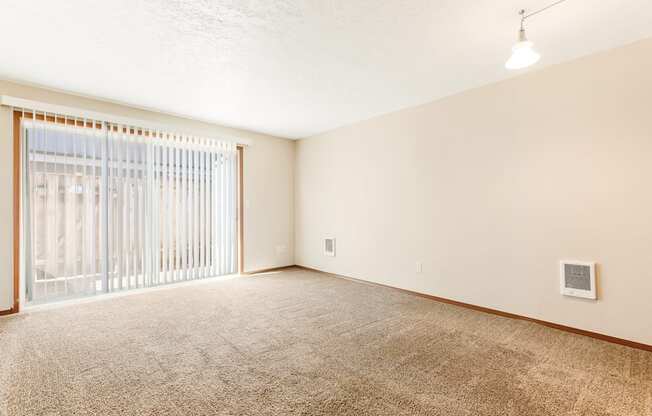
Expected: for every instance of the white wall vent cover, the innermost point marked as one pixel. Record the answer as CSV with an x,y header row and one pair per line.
x,y
578,279
329,247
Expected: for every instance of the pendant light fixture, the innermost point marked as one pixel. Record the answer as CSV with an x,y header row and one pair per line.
x,y
523,52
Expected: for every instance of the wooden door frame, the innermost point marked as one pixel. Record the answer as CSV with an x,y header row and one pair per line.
x,y
15,308
17,143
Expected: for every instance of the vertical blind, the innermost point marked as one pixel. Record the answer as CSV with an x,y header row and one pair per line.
x,y
110,207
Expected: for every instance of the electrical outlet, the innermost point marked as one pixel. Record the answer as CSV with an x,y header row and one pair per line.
x,y
419,267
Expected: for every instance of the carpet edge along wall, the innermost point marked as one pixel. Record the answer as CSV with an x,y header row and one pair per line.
x,y
565,328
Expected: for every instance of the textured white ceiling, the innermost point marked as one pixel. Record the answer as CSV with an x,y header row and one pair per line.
x,y
292,68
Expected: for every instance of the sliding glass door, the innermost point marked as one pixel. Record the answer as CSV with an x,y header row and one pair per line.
x,y
109,207
63,182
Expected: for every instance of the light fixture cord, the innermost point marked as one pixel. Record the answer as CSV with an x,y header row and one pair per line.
x,y
525,16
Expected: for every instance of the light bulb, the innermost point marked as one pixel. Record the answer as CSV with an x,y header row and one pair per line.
x,y
523,55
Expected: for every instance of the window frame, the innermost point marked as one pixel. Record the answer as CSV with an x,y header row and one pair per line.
x,y
18,284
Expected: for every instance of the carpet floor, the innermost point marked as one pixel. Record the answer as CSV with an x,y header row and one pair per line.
x,y
305,343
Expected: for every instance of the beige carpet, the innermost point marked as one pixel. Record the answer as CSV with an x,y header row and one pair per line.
x,y
304,343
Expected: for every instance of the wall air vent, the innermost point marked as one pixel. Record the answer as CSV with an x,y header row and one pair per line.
x,y
329,247
578,279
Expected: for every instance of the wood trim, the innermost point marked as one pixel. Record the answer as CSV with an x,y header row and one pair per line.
x,y
240,209
7,312
16,243
275,269
596,335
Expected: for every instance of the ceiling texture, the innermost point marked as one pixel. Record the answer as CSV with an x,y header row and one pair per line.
x,y
293,68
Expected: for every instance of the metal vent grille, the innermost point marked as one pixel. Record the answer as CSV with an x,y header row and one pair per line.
x,y
329,247
577,276
578,279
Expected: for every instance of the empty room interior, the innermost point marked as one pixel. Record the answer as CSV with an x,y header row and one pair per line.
x,y
326,207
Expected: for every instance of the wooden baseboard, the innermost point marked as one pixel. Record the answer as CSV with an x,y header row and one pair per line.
x,y
273,269
251,273
596,335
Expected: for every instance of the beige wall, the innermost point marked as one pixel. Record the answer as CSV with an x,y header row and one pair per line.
x,y
491,188
268,181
